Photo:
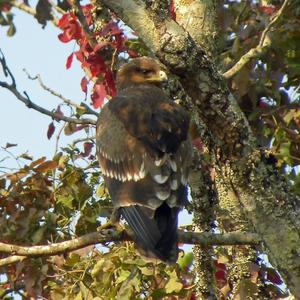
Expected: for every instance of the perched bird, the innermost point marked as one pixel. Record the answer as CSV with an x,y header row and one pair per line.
x,y
144,153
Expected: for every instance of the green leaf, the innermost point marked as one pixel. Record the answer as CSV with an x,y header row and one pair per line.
x,y
85,292
11,30
2,183
73,259
173,284
66,200
38,235
158,294
186,261
146,271
128,286
122,276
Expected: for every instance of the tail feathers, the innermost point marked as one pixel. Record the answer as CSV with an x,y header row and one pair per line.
x,y
156,236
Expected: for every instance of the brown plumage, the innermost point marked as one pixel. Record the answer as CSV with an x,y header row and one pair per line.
x,y
144,153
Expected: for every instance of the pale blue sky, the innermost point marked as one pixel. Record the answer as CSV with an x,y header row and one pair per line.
x,y
39,52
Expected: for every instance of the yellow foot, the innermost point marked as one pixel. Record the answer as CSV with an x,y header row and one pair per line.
x,y
111,225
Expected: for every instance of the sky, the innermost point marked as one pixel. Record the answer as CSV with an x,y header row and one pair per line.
x,y
39,52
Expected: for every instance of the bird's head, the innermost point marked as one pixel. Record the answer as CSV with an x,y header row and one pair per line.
x,y
142,70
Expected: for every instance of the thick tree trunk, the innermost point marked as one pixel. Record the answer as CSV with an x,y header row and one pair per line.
x,y
200,20
262,193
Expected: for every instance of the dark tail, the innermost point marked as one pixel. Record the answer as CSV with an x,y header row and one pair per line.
x,y
157,235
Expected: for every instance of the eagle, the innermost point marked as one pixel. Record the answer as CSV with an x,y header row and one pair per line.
x,y
144,153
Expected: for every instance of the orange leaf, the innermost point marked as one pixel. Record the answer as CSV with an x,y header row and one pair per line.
x,y
37,162
46,166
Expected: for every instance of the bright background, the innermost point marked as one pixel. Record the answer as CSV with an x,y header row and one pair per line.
x,y
40,52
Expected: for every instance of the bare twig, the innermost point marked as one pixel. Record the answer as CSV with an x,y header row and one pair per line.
x,y
80,140
60,96
26,100
254,52
272,110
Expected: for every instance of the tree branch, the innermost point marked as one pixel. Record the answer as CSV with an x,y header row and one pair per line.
x,y
60,96
11,259
254,52
111,235
26,100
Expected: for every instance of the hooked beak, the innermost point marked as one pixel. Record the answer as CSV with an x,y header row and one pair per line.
x,y
159,78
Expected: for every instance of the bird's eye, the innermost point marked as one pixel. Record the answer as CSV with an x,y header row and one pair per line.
x,y
145,72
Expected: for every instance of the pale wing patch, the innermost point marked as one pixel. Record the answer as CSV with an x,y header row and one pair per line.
x,y
122,169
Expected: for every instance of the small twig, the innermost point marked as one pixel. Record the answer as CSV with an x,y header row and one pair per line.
x,y
254,52
60,96
6,70
26,99
271,110
58,9
56,116
57,139
76,141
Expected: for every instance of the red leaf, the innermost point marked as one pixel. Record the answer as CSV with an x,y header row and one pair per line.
x,y
63,20
172,10
50,131
269,10
98,95
112,28
87,149
110,83
5,7
69,60
63,37
132,53
85,46
87,12
220,275
119,42
79,55
72,30
220,266
84,84
59,112
100,45
198,144
87,9
95,64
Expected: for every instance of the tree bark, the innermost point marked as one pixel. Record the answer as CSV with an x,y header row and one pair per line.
x,y
261,191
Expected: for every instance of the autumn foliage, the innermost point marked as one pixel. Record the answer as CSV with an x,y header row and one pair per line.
x,y
55,199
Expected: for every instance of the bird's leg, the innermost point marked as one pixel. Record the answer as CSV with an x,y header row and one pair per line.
x,y
113,221
115,216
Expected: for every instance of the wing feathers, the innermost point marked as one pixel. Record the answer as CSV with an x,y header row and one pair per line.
x,y
144,154
156,236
